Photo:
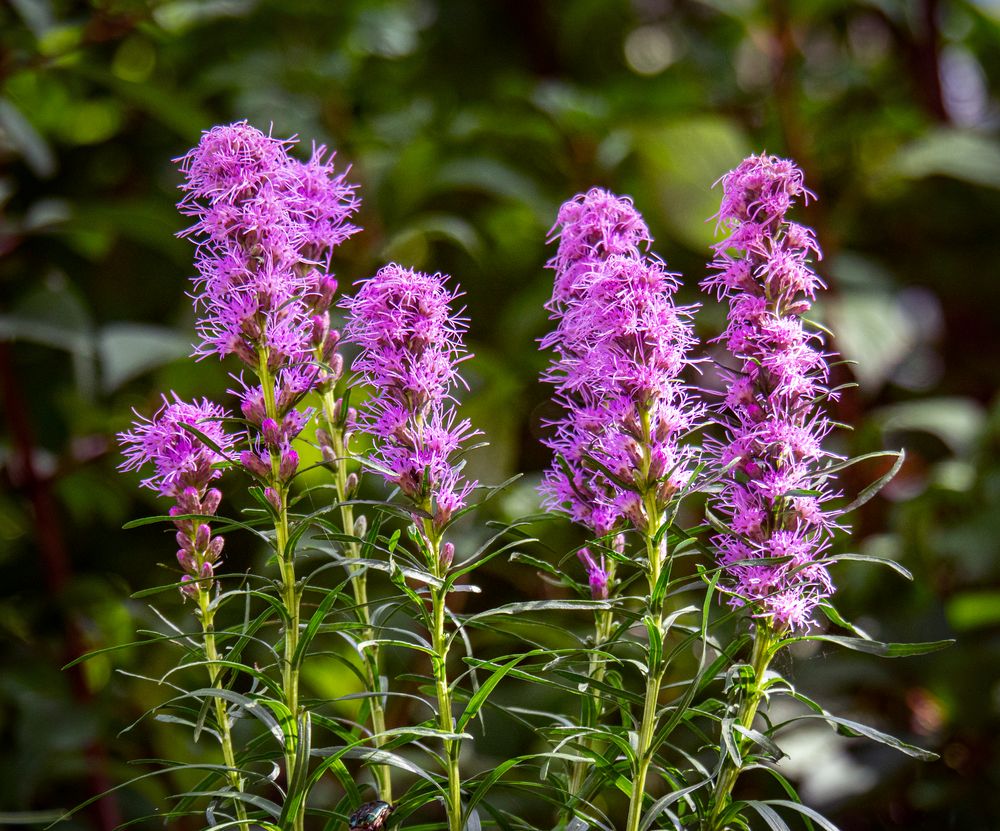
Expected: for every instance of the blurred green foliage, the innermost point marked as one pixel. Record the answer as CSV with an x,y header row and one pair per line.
x,y
467,123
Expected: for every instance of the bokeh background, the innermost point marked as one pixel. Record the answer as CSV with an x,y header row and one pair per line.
x,y
467,122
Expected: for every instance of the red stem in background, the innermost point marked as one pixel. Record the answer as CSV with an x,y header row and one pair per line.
x,y
57,573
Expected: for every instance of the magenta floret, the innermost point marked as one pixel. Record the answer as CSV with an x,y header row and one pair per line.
x,y
620,346
410,343
178,457
774,424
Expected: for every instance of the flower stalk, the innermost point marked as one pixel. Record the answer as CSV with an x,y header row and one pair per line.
x,y
277,493
766,643
334,443
439,644
620,344
410,343
777,528
207,615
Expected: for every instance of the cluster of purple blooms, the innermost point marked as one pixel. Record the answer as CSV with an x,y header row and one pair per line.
x,y
620,345
772,499
266,225
184,467
410,344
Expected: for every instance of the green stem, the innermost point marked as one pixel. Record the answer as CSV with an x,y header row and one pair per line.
x,y
657,561
290,593
359,584
590,709
439,644
221,715
654,680
765,644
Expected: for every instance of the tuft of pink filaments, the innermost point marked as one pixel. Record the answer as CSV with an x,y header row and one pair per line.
x,y
410,342
772,498
265,228
620,346
184,467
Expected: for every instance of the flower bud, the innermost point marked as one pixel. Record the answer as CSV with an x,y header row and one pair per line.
x,y
326,289
631,506
352,485
243,351
253,407
184,541
361,526
211,501
320,325
215,548
254,464
203,536
336,361
289,463
270,432
271,495
186,560
446,556
189,501
188,587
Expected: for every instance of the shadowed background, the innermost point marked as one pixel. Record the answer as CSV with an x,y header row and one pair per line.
x,y
467,124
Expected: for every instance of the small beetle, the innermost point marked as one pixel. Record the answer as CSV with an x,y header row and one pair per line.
x,y
370,817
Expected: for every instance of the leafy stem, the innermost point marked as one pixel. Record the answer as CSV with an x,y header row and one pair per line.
x,y
370,659
439,645
290,594
207,614
766,643
657,572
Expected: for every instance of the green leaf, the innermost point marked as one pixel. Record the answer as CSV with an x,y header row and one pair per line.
x,y
768,814
967,155
884,650
479,698
312,628
871,558
808,812
540,606
127,350
377,756
872,489
856,728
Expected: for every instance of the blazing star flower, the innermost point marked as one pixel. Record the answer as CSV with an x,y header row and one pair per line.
x,y
590,228
184,466
773,425
410,344
265,227
620,345
179,458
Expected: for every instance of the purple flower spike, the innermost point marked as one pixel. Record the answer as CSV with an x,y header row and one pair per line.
x,y
184,468
180,459
410,344
265,224
592,227
773,425
620,346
